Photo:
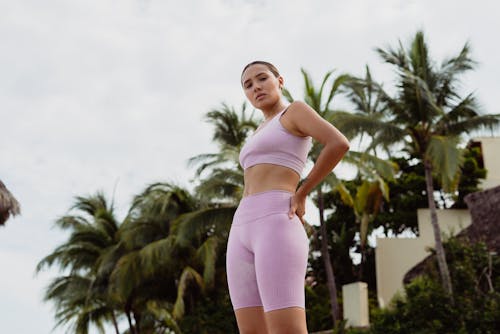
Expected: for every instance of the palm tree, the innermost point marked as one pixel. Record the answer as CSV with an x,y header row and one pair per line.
x,y
369,108
8,204
428,116
146,273
77,302
78,299
173,247
225,181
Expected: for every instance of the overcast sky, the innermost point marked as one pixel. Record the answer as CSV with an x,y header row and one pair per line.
x,y
110,95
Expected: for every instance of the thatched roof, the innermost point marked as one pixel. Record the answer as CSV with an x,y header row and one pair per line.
x,y
484,207
8,204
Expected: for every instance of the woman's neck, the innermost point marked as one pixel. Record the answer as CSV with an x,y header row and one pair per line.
x,y
273,110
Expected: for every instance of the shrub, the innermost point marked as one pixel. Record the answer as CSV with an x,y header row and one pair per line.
x,y
426,308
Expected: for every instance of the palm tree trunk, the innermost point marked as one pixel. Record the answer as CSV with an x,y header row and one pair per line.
x,y
440,254
131,326
137,319
332,287
115,323
362,263
362,236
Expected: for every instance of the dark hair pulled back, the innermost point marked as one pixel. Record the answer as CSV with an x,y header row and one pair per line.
x,y
270,66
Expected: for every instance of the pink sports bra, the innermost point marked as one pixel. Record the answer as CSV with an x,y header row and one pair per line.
x,y
274,144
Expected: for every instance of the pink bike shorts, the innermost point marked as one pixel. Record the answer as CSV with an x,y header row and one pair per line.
x,y
267,253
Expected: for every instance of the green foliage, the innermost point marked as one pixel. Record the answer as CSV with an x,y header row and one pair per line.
x,y
426,308
342,225
472,172
407,191
212,314
219,174
341,228
407,194
151,268
80,298
318,311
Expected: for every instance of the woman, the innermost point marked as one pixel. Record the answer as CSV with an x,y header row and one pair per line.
x,y
267,247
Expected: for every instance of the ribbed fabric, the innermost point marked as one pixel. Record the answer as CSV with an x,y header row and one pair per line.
x,y
274,144
267,252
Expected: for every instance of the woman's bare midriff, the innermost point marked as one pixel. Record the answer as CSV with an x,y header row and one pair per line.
x,y
264,177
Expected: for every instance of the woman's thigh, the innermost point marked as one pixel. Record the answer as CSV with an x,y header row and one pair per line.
x,y
251,320
281,253
291,320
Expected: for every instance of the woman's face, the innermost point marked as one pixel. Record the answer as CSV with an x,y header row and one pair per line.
x,y
261,87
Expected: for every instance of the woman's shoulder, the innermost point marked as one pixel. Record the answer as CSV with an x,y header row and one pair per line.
x,y
297,114
300,111
298,104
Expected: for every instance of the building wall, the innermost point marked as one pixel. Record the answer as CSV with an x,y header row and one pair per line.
x,y
491,159
394,257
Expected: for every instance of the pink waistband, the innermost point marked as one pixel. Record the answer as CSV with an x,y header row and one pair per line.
x,y
262,204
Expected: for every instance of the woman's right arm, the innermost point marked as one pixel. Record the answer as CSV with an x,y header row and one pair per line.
x,y
335,144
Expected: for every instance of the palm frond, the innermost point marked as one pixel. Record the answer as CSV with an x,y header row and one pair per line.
x,y
125,276
162,313
223,184
227,156
204,161
188,275
8,204
322,86
92,204
309,93
73,222
446,159
355,124
391,135
143,230
287,95
476,123
207,253
340,80
191,228
421,65
79,256
164,199
107,261
73,286
418,95
345,195
447,76
395,57
231,128
464,109
371,166
459,64
158,256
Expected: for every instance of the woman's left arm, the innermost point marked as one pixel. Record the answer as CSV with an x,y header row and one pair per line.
x,y
307,121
